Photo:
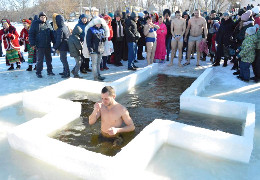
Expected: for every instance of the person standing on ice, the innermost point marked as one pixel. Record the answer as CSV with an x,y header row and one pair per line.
x,y
83,22
9,36
40,37
61,44
24,40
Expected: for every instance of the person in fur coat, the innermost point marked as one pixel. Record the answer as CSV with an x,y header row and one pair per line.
x,y
97,31
9,36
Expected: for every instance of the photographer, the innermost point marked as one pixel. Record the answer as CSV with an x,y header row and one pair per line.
x,y
95,43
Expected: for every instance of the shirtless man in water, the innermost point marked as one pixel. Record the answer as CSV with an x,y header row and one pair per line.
x,y
112,115
196,25
178,27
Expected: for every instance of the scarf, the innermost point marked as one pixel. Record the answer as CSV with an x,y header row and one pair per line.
x,y
119,29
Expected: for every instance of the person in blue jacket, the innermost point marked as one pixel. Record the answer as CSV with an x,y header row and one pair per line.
x,y
40,37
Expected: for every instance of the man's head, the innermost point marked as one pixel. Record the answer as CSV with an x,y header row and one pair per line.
x,y
134,16
213,14
5,23
43,16
166,13
196,13
26,23
108,95
178,14
118,15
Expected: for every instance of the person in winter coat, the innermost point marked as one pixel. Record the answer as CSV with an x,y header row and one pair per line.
x,y
9,36
118,26
167,22
256,63
161,38
24,40
243,23
141,42
223,39
40,37
82,23
95,42
75,47
247,53
61,44
108,45
132,36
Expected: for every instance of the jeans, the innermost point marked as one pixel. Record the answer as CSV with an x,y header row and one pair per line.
x,y
96,60
103,63
41,53
244,70
168,46
64,61
132,50
77,66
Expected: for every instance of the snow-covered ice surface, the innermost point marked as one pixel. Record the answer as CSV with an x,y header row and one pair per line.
x,y
170,162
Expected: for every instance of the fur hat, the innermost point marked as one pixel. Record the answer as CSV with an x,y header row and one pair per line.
x,y
256,10
246,15
166,11
251,30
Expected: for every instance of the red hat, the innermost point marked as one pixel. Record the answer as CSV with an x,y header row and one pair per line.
x,y
6,20
27,20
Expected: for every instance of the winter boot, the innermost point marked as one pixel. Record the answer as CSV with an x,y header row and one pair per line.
x,y
29,68
18,65
225,63
11,68
34,67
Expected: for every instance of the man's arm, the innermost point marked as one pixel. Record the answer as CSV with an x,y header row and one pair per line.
x,y
183,28
205,28
95,114
172,26
127,120
188,29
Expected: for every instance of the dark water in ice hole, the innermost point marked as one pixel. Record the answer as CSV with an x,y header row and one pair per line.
x,y
157,98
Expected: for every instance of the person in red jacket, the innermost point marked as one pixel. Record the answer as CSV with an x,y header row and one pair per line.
x,y
9,36
24,40
108,45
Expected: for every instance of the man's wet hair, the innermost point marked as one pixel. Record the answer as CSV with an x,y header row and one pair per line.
x,y
108,89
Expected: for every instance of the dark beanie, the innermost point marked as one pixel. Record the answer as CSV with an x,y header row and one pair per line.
x,y
133,15
166,11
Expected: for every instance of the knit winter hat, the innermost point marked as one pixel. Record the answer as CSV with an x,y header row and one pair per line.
x,y
133,15
111,14
251,30
26,20
42,14
246,15
6,20
256,10
140,14
226,14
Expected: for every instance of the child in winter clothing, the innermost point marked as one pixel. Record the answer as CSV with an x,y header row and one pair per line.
x,y
75,47
108,45
247,53
24,40
9,36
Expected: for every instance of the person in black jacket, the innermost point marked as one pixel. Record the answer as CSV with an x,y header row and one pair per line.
x,y
132,36
141,42
223,39
40,37
118,37
95,43
167,22
61,44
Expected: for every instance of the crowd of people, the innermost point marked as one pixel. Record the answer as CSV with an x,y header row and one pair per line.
x,y
113,37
